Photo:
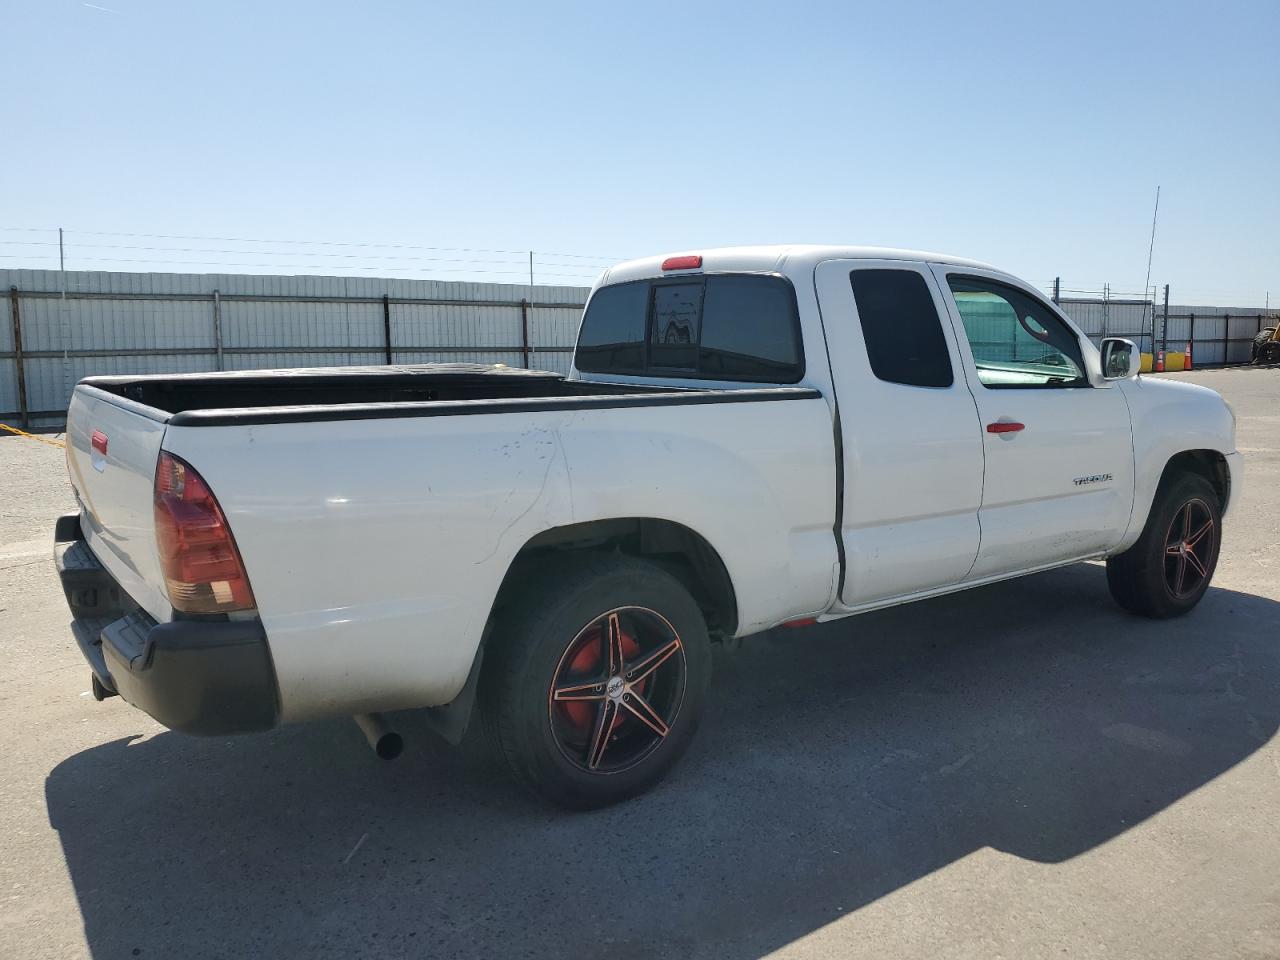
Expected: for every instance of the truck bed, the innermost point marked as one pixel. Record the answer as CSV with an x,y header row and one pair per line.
x,y
420,383
351,393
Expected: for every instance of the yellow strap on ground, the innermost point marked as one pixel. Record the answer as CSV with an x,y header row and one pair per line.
x,y
32,436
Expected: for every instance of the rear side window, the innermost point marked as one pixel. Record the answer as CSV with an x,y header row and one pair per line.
x,y
612,336
901,328
750,330
720,327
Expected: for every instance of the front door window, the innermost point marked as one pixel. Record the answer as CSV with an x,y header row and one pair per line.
x,y
1016,341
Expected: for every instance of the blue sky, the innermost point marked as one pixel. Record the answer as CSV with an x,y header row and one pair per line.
x,y
1030,135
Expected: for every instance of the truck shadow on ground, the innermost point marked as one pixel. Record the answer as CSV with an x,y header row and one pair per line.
x,y
835,765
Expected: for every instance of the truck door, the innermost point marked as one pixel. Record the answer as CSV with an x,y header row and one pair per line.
x,y
1059,451
912,444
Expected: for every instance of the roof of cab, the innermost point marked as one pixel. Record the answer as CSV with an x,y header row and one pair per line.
x,y
775,258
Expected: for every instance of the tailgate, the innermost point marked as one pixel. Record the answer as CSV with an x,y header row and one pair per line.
x,y
116,489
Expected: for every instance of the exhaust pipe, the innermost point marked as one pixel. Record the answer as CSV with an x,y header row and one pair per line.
x,y
386,743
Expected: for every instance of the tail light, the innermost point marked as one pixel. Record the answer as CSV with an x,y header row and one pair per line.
x,y
203,572
692,262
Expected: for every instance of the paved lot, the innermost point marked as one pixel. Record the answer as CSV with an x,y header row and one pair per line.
x,y
1019,771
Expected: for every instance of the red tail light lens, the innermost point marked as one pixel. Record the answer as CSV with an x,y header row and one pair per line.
x,y
693,262
202,568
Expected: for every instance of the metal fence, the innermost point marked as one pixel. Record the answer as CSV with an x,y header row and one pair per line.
x,y
122,323
63,327
1219,336
1100,318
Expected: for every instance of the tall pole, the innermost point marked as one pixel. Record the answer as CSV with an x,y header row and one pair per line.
x,y
1057,289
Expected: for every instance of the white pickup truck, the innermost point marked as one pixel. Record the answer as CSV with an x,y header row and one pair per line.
x,y
748,438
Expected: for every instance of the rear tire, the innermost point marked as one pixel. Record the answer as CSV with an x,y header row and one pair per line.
x,y
1167,571
571,724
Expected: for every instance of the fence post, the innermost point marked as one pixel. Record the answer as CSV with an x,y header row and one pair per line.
x,y
386,325
68,385
1106,315
1154,319
524,330
1164,324
217,327
17,358
1226,336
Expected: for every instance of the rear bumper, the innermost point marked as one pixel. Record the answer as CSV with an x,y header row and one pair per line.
x,y
208,677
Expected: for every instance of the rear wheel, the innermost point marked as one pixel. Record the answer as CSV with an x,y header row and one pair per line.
x,y
1169,569
597,679
1269,353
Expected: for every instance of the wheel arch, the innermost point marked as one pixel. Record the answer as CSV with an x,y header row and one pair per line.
x,y
678,548
684,552
1141,577
1210,464
1204,461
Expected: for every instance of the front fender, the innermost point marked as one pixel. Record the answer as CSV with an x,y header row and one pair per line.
x,y
1172,417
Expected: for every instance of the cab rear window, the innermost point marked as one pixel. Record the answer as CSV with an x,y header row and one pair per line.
x,y
719,327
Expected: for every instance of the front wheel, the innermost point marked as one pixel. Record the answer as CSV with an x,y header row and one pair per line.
x,y
598,676
1168,570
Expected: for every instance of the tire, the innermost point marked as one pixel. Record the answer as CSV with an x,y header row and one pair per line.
x,y
1158,576
1269,353
560,711
1261,340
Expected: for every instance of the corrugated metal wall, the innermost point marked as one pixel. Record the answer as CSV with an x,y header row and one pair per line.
x,y
120,323
8,365
1208,326
1222,335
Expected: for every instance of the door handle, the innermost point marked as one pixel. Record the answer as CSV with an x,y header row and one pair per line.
x,y
1006,426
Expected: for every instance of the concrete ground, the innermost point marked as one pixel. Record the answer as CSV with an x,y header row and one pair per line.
x,y
1018,771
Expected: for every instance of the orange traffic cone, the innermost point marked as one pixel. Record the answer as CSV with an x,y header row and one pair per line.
x,y
1186,363
1160,362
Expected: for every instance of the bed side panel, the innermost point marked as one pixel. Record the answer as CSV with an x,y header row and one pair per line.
x,y
376,547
